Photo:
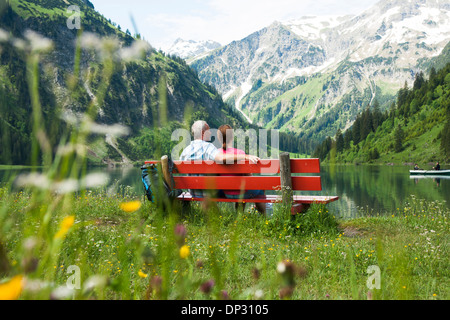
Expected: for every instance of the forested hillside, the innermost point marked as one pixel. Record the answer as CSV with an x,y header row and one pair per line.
x,y
313,75
76,72
415,129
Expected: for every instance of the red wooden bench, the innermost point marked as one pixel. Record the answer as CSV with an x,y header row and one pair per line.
x,y
267,178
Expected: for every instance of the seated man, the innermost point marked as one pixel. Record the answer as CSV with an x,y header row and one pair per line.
x,y
201,149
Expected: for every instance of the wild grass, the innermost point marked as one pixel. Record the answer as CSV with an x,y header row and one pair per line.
x,y
148,253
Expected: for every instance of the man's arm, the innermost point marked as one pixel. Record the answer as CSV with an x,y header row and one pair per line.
x,y
230,158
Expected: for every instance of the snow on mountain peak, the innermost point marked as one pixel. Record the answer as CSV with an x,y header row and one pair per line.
x,y
313,27
379,30
190,48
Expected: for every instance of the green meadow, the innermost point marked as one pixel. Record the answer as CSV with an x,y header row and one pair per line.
x,y
125,247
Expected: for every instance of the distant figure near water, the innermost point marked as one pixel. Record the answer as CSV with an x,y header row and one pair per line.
x,y
437,166
416,167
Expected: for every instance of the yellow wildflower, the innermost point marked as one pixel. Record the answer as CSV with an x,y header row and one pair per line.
x,y
12,289
66,224
184,252
142,275
131,206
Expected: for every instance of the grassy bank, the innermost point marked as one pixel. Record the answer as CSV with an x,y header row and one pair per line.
x,y
126,248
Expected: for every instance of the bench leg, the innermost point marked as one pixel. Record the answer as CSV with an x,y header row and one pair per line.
x,y
261,207
208,205
239,206
185,208
299,208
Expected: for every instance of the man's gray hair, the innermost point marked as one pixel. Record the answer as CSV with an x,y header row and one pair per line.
x,y
197,128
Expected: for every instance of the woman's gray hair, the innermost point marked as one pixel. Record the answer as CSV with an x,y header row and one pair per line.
x,y
197,128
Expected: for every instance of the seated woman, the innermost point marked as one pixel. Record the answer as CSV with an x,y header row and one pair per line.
x,y
226,137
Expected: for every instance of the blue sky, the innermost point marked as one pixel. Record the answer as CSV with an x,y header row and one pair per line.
x,y
161,22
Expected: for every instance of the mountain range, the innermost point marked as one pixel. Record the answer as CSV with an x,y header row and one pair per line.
x,y
141,92
313,75
308,77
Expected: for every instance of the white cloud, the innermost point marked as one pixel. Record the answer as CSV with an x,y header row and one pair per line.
x,y
177,26
223,21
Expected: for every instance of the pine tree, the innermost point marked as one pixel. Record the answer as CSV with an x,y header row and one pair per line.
x,y
339,141
445,134
445,139
347,138
376,115
432,77
356,131
398,139
401,98
419,81
366,124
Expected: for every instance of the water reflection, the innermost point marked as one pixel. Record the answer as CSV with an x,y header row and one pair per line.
x,y
379,189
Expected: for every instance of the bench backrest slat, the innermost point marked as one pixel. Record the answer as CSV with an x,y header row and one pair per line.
x,y
307,183
265,166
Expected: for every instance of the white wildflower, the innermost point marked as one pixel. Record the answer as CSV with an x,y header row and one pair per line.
x,y
19,44
95,180
65,186
41,181
94,282
281,267
32,180
62,293
109,45
136,51
105,47
90,40
87,125
115,130
30,243
32,285
4,36
70,117
70,148
259,294
38,43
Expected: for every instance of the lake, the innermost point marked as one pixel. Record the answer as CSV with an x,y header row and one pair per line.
x,y
362,189
370,189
